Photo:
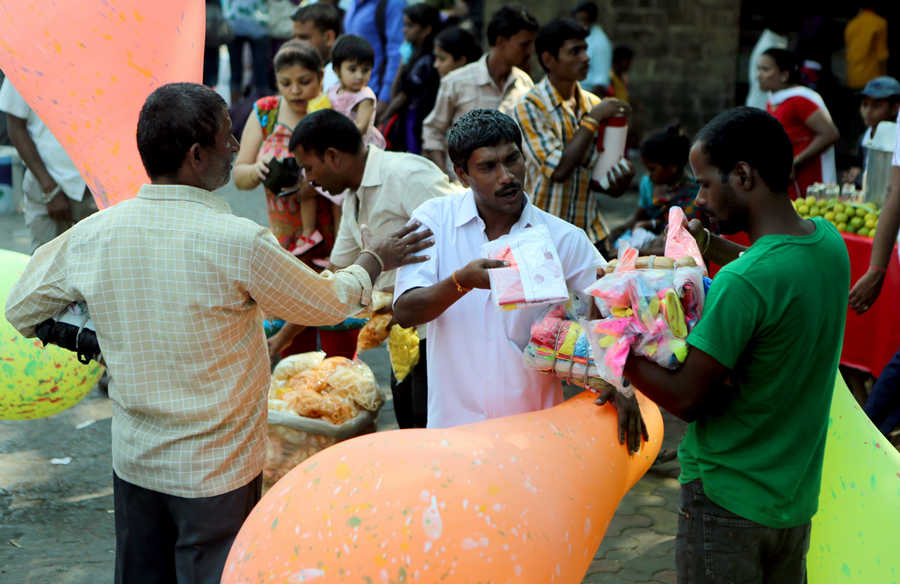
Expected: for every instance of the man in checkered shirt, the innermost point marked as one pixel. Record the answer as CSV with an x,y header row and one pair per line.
x,y
177,287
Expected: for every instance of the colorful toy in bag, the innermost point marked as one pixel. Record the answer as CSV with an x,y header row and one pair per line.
x,y
679,241
559,345
648,310
534,275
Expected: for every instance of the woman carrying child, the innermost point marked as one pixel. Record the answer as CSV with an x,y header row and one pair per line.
x,y
298,71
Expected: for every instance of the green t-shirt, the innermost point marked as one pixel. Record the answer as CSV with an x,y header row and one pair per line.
x,y
775,318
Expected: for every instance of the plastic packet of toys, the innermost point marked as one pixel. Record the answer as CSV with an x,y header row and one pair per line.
x,y
534,275
649,311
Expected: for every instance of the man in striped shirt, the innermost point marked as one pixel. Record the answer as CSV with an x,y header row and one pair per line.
x,y
560,120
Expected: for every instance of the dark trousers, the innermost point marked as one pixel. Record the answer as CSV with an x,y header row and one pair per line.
x,y
411,394
259,53
883,403
714,545
164,539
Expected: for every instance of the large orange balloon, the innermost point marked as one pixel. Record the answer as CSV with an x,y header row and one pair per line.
x,y
525,498
86,68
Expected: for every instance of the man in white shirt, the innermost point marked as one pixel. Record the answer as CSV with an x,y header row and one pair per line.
x,y
319,24
383,189
475,369
495,81
56,196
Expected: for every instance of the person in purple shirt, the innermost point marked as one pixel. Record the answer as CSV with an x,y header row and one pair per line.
x,y
362,19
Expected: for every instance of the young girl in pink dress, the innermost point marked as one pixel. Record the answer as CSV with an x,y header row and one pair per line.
x,y
352,58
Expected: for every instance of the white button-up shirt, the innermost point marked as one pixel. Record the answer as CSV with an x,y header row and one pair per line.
x,y
475,369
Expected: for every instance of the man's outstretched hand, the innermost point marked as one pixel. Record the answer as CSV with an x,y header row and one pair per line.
x,y
631,424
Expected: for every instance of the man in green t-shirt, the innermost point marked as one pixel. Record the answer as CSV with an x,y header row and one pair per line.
x,y
758,380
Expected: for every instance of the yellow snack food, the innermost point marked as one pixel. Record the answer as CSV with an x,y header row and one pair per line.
x,y
403,345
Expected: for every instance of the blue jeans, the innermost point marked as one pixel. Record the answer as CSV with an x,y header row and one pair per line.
x,y
883,403
716,546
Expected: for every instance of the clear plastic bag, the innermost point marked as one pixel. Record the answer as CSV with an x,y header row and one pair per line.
x,y
315,402
534,275
648,311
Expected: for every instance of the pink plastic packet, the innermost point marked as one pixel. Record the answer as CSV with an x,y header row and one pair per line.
x,y
679,241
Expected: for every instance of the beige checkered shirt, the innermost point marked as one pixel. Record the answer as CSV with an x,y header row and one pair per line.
x,y
177,286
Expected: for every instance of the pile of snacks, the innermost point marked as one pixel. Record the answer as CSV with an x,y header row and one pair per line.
x,y
335,389
315,402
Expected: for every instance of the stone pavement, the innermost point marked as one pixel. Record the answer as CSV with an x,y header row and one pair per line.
x,y
41,506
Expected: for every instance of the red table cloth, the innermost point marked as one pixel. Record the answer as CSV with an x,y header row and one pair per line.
x,y
871,338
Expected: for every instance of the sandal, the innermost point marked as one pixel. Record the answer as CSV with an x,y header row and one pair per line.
x,y
304,244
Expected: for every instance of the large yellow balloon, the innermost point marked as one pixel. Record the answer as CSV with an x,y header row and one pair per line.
x,y
525,498
87,66
854,532
36,382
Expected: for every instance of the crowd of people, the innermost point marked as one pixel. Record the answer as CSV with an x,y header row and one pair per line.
x,y
386,165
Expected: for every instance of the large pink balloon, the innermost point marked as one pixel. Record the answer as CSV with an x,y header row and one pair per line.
x,y
524,498
87,66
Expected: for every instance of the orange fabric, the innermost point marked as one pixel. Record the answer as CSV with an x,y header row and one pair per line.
x,y
867,50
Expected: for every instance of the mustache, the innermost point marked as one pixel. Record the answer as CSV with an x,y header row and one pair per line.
x,y
510,189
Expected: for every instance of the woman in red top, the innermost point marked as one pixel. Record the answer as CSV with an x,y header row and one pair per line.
x,y
804,116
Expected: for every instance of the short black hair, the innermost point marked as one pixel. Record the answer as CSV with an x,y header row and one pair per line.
x,y
508,21
354,48
554,34
297,52
669,146
589,7
323,15
787,61
324,129
751,135
175,117
477,129
459,43
622,53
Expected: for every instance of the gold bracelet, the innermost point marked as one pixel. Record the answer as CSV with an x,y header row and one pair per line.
x,y
589,123
459,287
374,255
